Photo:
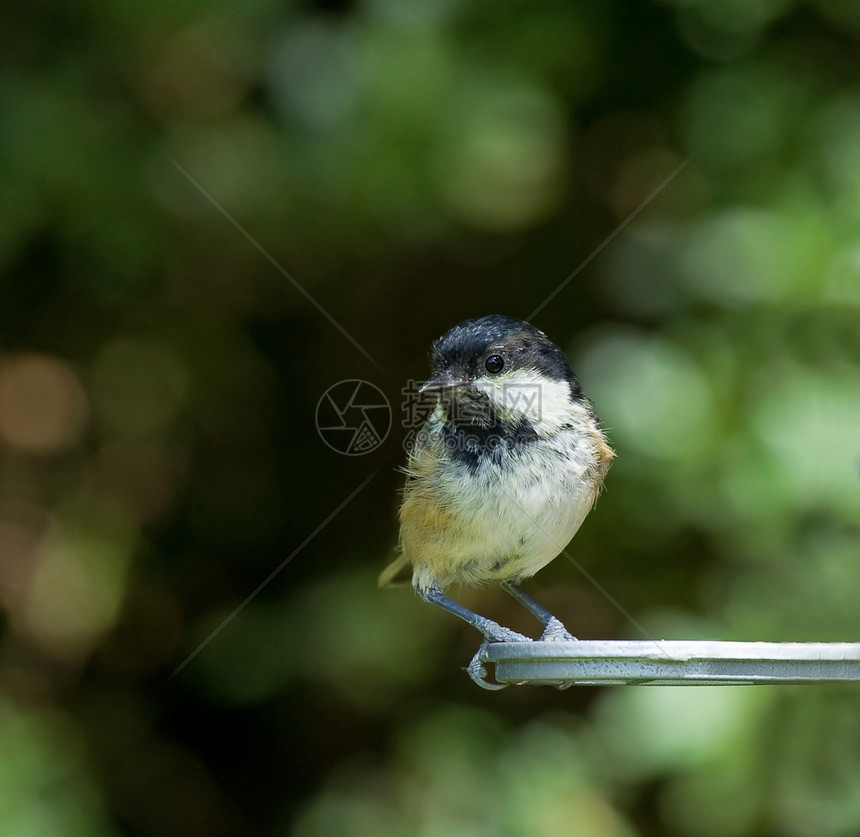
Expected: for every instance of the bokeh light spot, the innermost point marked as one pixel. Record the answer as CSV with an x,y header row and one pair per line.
x,y
78,586
43,407
503,165
747,255
653,395
140,384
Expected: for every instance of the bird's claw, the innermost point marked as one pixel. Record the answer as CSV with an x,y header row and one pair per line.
x,y
478,672
494,633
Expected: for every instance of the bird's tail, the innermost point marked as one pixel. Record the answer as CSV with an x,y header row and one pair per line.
x,y
394,574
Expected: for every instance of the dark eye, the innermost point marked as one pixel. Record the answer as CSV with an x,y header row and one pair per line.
x,y
494,364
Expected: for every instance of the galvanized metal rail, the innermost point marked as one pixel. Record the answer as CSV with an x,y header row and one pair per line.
x,y
665,663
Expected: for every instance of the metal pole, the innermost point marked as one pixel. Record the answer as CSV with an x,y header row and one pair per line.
x,y
665,663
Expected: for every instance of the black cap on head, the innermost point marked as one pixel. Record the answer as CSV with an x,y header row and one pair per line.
x,y
465,349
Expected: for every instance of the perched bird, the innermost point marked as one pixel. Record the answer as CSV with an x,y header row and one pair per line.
x,y
503,472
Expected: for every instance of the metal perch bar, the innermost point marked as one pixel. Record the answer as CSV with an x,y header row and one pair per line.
x,y
667,663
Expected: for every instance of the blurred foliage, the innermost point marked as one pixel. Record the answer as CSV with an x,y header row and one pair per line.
x,y
172,173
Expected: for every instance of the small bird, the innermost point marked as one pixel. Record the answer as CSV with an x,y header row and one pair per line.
x,y
503,472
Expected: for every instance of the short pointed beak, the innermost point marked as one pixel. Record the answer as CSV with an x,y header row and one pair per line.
x,y
442,381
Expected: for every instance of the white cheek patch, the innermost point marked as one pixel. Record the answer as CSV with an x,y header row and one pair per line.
x,y
526,394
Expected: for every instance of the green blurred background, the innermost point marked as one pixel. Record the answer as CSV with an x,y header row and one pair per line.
x,y
412,164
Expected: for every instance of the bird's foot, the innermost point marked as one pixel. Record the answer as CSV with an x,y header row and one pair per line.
x,y
494,632
556,632
507,635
